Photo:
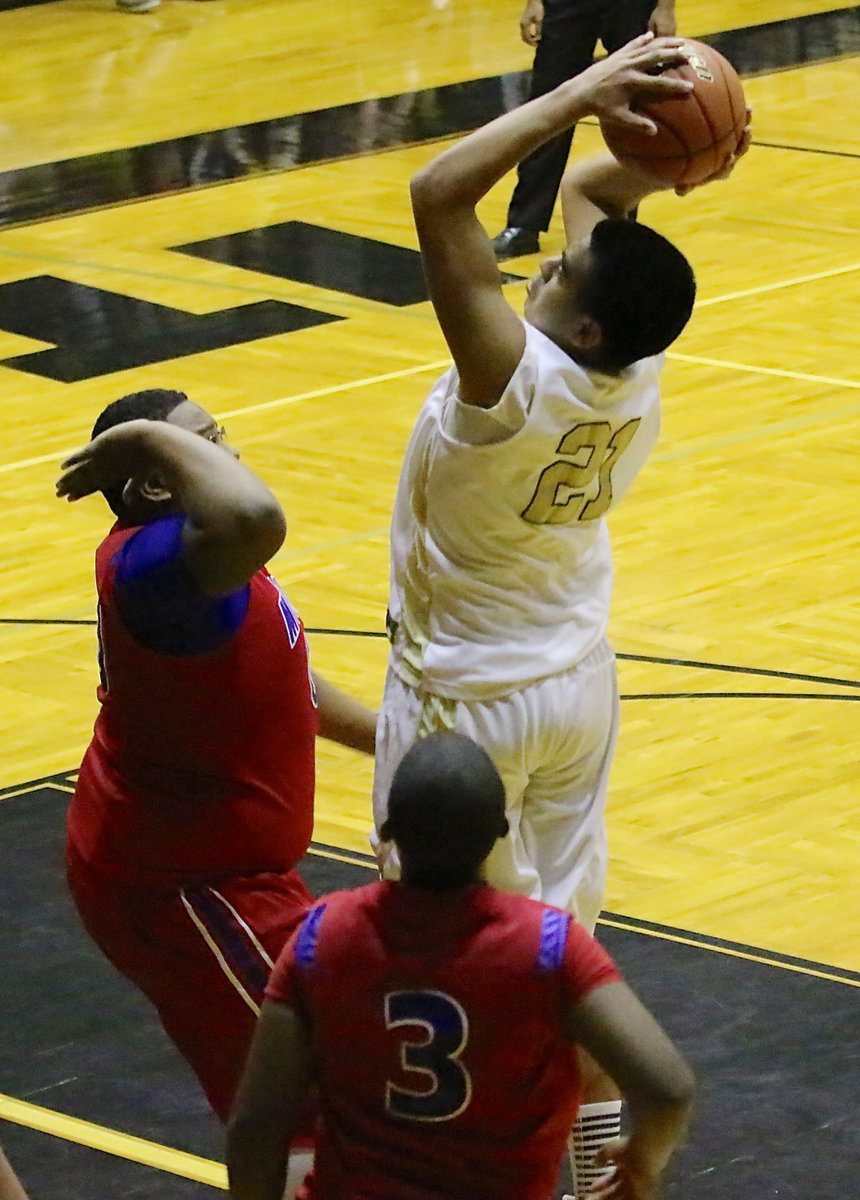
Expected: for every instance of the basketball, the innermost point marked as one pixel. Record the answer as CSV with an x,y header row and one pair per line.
x,y
697,133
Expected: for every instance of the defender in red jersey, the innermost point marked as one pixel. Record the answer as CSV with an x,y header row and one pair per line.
x,y
439,1018
195,798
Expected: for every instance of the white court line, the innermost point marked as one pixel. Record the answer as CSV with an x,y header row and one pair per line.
x,y
442,363
775,287
782,374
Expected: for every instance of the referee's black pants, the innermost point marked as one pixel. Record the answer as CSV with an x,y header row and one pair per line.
x,y
571,30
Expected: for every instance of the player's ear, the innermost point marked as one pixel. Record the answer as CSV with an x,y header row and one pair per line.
x,y
587,334
147,492
153,489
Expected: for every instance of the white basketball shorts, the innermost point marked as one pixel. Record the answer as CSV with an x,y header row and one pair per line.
x,y
552,743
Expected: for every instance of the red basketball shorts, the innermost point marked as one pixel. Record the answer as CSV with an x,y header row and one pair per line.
x,y
201,955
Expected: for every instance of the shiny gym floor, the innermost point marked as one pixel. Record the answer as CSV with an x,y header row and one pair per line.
x,y
213,197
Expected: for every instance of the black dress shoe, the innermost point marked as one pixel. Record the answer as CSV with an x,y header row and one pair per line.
x,y
512,242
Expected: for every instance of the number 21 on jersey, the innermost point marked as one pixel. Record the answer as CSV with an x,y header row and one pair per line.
x,y
429,1054
579,486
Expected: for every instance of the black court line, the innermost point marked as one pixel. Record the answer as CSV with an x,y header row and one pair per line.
x,y
649,658
365,127
711,666
739,696
60,778
710,942
644,658
808,149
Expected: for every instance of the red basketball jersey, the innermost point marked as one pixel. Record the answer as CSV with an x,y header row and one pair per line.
x,y
437,1024
200,765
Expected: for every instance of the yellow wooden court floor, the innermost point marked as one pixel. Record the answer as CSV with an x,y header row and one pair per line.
x,y
158,175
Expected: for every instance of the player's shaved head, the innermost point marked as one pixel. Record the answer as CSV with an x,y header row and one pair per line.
x,y
446,810
153,404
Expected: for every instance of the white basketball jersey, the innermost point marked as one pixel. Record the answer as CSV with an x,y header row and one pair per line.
x,y
500,565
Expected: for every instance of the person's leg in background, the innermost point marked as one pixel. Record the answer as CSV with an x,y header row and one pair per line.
x,y
568,39
623,21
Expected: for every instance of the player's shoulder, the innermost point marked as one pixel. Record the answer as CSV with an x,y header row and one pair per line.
x,y
117,536
336,921
646,371
535,940
542,353
157,532
516,903
111,545
528,914
340,905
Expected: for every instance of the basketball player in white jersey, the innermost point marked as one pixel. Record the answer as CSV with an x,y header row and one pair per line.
x,y
500,562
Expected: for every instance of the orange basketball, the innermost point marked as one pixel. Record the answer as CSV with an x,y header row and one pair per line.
x,y
697,133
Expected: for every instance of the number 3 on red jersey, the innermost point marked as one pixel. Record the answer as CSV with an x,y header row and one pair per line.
x,y
445,1087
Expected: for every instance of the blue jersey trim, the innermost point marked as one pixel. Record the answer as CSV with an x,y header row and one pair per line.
x,y
241,953
553,939
308,936
161,604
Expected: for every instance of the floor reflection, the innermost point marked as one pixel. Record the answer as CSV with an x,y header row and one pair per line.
x,y
94,332
96,180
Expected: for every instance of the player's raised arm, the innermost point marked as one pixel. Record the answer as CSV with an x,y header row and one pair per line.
x,y
599,187
233,525
483,333
623,1037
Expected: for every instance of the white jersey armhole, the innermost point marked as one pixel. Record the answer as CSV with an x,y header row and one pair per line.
x,y
473,426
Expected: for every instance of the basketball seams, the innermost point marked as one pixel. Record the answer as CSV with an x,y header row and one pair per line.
x,y
737,104
724,143
713,145
664,129
692,141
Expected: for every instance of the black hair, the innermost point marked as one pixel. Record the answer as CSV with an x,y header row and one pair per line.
x,y
154,404
640,290
446,810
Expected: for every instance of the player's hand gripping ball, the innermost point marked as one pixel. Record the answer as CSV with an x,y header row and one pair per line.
x,y
696,134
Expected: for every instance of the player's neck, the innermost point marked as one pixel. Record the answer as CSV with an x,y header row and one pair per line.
x,y
439,884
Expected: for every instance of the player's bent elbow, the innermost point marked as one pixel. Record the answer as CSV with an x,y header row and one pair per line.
x,y
421,190
433,188
228,551
261,525
681,1092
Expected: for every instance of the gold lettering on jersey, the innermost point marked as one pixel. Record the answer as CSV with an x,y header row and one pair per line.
x,y
699,65
579,487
